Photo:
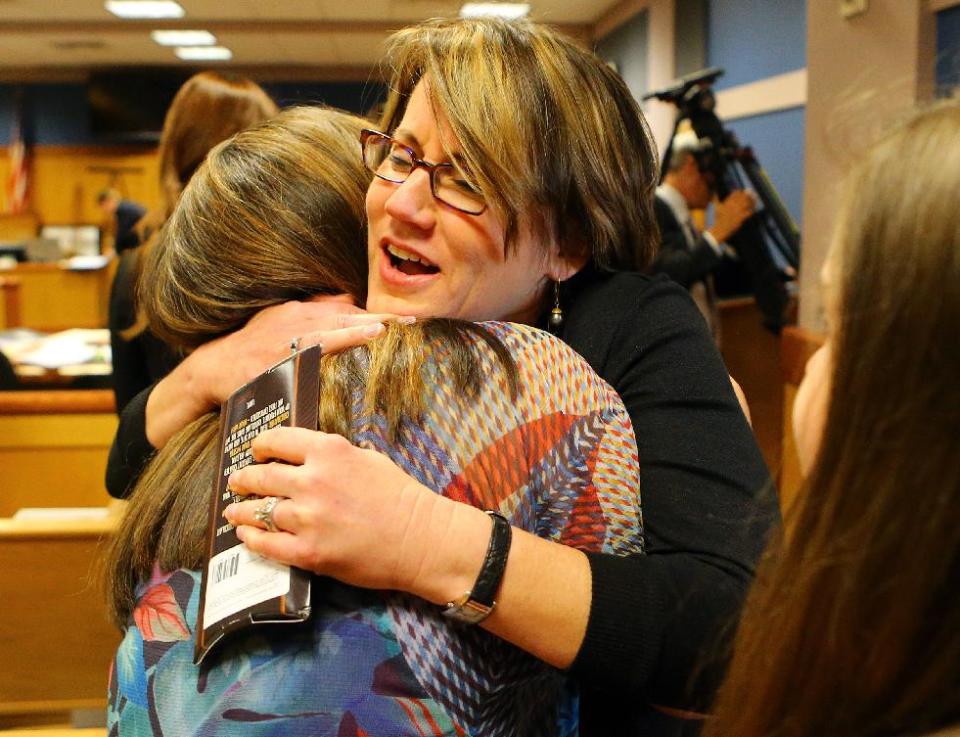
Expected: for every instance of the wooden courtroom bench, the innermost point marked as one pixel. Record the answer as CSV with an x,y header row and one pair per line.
x,y
9,303
56,643
53,448
796,347
55,298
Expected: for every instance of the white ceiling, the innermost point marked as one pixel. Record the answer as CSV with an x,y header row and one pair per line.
x,y
40,37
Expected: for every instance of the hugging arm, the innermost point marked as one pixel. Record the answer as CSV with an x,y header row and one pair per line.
x,y
216,369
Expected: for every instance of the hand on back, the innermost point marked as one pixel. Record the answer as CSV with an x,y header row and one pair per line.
x,y
217,369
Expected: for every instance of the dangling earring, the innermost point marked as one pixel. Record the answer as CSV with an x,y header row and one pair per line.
x,y
556,314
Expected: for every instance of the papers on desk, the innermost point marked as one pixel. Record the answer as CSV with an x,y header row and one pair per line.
x,y
86,263
51,513
69,348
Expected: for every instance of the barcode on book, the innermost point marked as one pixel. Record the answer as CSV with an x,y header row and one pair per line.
x,y
227,568
237,579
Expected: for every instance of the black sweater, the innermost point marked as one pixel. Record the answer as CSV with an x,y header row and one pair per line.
x,y
655,620
658,623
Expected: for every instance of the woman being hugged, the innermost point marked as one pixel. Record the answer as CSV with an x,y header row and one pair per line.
x,y
514,178
274,214
852,625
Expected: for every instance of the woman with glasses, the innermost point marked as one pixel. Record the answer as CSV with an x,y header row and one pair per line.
x,y
555,458
557,148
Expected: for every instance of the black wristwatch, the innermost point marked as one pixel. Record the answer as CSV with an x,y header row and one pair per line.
x,y
477,604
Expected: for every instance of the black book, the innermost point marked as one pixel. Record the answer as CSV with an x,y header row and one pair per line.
x,y
240,588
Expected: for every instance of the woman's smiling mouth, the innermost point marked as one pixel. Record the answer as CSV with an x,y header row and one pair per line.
x,y
407,262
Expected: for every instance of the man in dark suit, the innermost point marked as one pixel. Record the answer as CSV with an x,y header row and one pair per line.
x,y
687,254
125,214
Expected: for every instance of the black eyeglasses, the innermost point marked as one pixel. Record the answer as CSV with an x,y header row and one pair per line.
x,y
393,161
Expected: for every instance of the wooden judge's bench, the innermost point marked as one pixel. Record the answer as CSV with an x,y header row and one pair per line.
x,y
56,297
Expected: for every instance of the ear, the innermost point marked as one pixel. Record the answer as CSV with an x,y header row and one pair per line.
x,y
562,267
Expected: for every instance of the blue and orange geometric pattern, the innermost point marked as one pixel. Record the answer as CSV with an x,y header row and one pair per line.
x,y
559,461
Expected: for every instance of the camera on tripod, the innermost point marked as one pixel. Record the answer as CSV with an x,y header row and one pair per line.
x,y
768,243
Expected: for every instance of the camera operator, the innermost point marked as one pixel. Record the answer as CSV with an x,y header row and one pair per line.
x,y
687,254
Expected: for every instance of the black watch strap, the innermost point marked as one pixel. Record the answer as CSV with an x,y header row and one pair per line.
x,y
477,604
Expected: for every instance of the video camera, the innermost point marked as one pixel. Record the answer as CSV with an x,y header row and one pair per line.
x,y
768,242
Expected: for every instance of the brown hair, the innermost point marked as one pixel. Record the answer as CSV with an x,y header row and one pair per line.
x,y
275,213
851,627
207,109
550,133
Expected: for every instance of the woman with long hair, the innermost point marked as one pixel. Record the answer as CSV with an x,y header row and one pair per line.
x,y
206,110
277,213
851,628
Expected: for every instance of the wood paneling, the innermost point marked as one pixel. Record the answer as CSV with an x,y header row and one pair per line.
x,y
65,180
56,642
64,403
9,303
54,452
17,227
751,353
53,298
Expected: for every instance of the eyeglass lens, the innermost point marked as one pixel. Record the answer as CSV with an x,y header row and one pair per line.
x,y
391,161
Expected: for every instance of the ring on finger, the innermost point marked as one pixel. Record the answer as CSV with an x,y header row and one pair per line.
x,y
264,513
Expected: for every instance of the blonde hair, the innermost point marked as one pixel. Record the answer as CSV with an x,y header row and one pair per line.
x,y
275,213
851,627
550,133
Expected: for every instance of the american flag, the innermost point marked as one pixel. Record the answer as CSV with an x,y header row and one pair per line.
x,y
18,183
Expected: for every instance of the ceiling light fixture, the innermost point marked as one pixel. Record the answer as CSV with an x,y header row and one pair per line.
x,y
144,8
509,11
183,38
204,53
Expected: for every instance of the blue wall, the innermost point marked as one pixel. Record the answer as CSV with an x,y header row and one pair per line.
x,y
948,49
626,48
777,141
753,40
59,114
756,39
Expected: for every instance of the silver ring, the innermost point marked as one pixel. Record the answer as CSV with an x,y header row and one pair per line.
x,y
294,345
264,513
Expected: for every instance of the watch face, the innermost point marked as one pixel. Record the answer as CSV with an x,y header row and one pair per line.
x,y
467,610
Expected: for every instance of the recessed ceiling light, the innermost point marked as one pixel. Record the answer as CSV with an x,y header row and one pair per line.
x,y
144,8
183,38
204,53
510,11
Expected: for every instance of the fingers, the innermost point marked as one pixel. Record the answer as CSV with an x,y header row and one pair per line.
x,y
334,341
286,444
284,515
266,479
279,546
348,320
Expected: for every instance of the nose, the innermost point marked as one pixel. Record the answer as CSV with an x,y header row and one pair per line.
x,y
412,201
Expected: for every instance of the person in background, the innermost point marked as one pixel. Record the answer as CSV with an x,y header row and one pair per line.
x,y
206,110
851,628
552,455
688,255
125,214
